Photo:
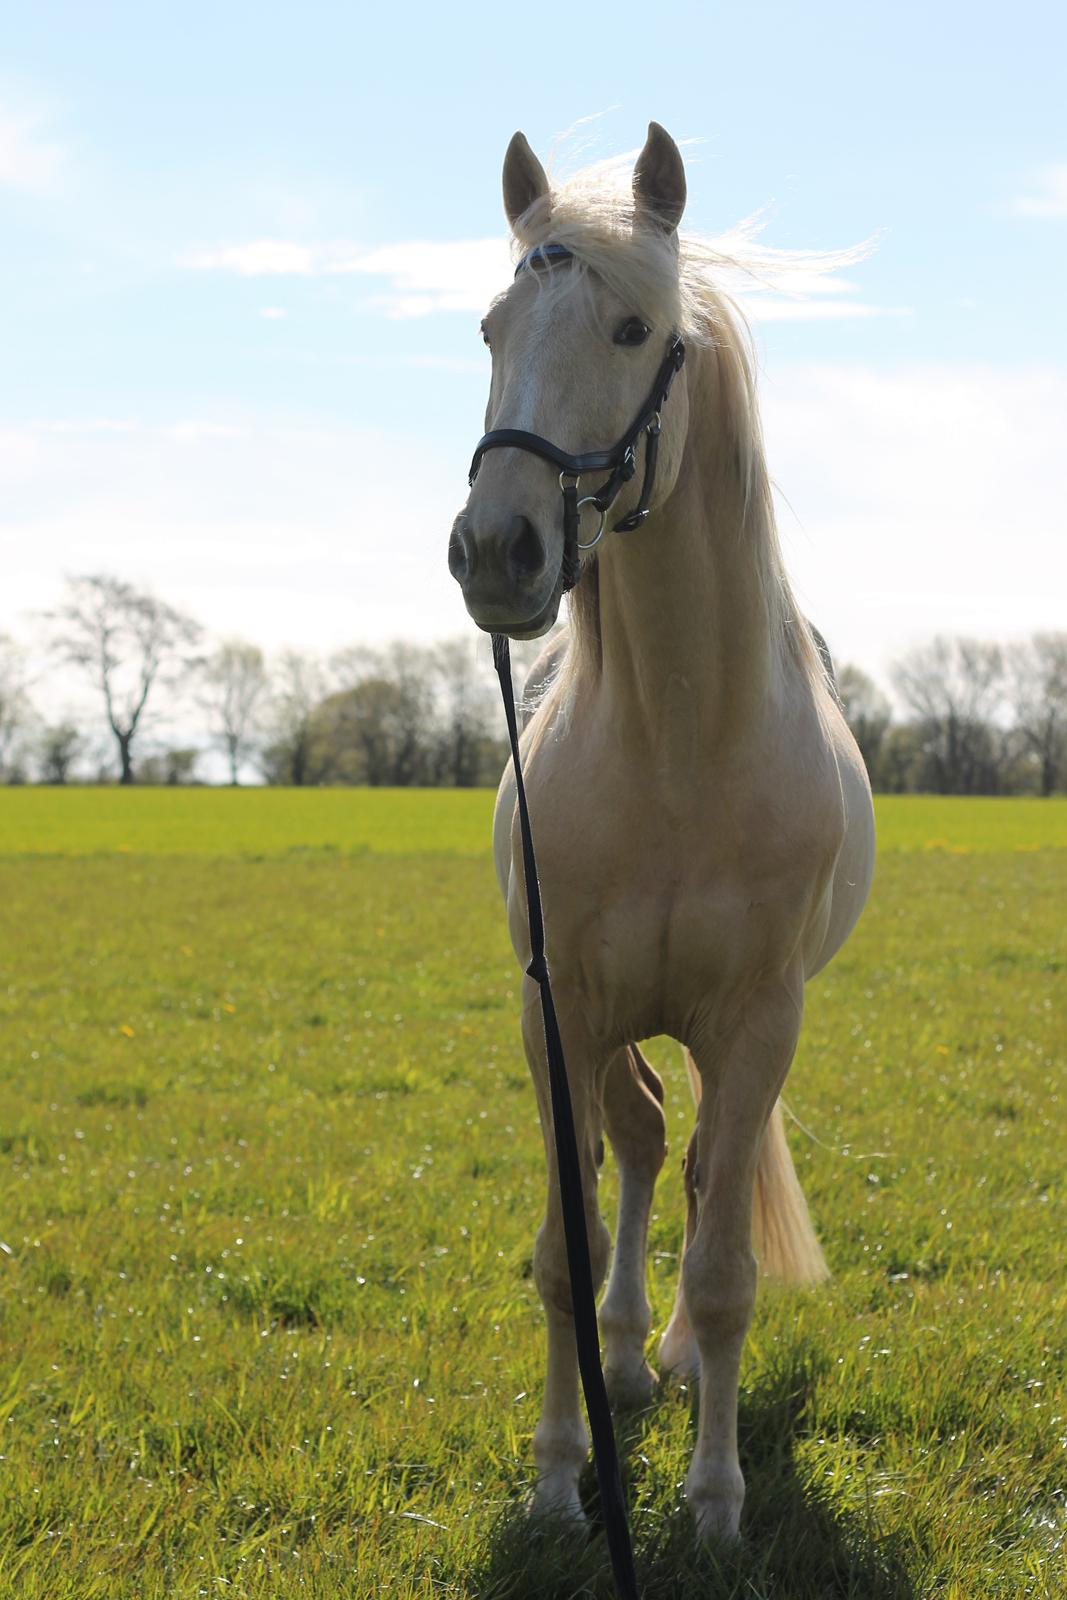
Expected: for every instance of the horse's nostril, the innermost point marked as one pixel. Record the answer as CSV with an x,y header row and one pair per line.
x,y
525,548
460,555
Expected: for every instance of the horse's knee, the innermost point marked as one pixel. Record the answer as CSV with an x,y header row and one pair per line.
x,y
720,1289
550,1259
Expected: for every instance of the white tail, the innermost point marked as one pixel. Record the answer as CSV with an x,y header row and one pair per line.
x,y
782,1234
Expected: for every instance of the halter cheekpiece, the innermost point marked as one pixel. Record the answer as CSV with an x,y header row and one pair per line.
x,y
620,461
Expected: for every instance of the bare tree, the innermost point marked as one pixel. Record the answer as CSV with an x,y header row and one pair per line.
x,y
867,712
393,692
173,765
408,668
1038,674
954,689
468,723
298,685
127,641
59,747
235,684
359,735
413,714
15,710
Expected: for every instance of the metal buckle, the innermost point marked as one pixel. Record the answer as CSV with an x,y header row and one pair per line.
x,y
634,520
591,500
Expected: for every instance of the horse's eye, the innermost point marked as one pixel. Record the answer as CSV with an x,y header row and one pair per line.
x,y
632,331
484,331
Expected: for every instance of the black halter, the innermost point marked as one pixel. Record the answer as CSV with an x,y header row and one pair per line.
x,y
620,461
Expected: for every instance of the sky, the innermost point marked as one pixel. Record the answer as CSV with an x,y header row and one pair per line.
x,y
244,252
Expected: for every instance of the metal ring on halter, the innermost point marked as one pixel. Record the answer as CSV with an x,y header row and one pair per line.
x,y
590,500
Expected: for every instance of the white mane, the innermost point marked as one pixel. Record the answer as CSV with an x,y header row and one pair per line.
x,y
684,282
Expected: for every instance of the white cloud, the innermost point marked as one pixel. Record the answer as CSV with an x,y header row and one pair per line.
x,y
259,258
286,534
425,277
790,308
918,500
922,499
460,275
273,313
1048,195
429,362
28,159
194,429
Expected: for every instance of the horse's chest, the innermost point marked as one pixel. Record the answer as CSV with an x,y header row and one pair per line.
x,y
651,923
668,889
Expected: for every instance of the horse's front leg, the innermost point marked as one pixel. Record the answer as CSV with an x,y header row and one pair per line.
x,y
633,1116
741,1077
561,1442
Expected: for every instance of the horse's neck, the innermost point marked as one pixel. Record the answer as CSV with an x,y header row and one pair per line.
x,y
688,648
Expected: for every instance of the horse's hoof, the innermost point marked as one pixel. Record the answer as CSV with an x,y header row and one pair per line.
x,y
559,1506
715,1499
630,1388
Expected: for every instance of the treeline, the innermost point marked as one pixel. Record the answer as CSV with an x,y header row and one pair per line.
x,y
171,705
980,718
972,717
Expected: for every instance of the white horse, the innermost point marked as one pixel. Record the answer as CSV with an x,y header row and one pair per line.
x,y
702,815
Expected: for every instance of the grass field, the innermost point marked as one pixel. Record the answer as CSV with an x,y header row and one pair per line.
x,y
415,821
270,1174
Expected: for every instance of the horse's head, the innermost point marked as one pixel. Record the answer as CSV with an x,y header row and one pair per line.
x,y
584,347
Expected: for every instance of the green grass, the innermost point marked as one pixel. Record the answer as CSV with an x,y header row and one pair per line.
x,y
70,821
269,1178
158,822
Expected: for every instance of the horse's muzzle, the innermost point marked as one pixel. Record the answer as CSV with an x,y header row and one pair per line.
x,y
503,570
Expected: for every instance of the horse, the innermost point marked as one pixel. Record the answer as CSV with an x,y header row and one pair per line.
x,y
702,814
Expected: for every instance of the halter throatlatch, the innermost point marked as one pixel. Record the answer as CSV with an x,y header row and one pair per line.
x,y
620,461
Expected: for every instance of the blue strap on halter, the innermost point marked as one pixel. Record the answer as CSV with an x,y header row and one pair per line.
x,y
544,254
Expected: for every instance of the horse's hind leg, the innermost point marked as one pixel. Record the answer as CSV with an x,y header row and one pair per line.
x,y
678,1353
633,1117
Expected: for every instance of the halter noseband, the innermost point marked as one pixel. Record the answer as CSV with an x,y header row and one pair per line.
x,y
620,461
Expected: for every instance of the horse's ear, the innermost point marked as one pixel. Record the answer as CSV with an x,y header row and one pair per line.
x,y
659,181
525,180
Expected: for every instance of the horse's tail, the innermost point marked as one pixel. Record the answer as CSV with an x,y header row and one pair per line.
x,y
782,1233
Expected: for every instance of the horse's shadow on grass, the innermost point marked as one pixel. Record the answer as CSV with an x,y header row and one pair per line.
x,y
794,1546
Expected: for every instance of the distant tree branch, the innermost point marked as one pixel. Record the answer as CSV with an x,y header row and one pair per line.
x,y
126,641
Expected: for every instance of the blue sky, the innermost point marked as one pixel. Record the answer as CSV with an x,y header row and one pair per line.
x,y
243,251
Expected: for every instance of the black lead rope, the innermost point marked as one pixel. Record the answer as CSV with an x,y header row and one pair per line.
x,y
583,1298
